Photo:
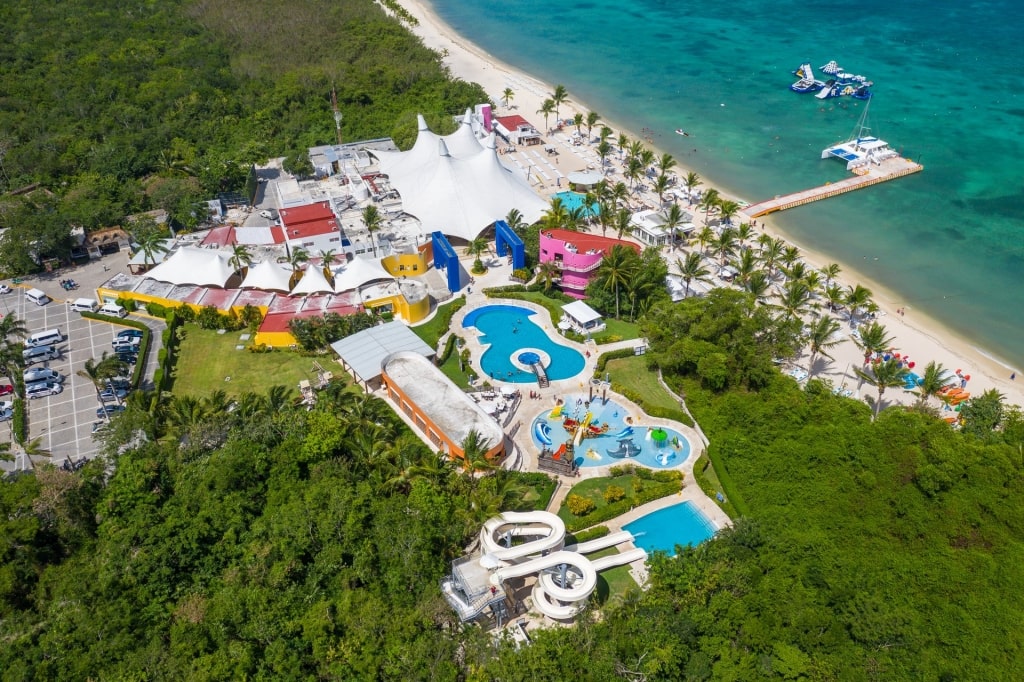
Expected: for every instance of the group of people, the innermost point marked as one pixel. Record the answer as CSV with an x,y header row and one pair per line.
x,y
69,284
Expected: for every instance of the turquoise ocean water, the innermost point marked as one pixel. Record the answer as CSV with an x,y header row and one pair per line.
x,y
949,92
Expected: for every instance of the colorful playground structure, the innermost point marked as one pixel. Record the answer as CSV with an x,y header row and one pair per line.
x,y
517,545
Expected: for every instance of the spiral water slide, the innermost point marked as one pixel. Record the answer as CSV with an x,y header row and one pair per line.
x,y
565,578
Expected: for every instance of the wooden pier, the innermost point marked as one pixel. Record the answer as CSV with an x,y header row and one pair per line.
x,y
890,169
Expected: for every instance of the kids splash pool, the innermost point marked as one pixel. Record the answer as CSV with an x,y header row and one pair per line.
x,y
611,437
680,524
515,342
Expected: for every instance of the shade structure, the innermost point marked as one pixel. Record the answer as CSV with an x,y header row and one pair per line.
x,y
313,282
357,272
189,265
456,189
267,276
585,177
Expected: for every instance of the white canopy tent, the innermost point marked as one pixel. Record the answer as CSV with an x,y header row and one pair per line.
x,y
358,272
453,188
313,282
190,265
582,317
268,276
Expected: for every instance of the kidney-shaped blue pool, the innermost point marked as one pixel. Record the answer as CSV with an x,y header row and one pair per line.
x,y
515,342
680,524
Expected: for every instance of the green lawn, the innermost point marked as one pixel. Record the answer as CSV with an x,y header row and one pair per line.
x,y
612,583
432,330
617,330
450,369
706,477
594,488
631,377
206,359
536,497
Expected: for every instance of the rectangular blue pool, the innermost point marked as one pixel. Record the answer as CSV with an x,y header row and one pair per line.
x,y
680,524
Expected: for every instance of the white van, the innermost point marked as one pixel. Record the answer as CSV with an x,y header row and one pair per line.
x,y
49,337
41,354
114,310
37,296
84,305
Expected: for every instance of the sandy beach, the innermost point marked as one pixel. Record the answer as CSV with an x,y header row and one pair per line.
x,y
917,336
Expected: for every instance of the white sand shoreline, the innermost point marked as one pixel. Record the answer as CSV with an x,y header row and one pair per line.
x,y
916,334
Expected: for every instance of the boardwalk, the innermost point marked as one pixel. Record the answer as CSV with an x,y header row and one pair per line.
x,y
888,170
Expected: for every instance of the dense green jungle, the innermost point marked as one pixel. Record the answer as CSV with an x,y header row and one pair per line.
x,y
252,539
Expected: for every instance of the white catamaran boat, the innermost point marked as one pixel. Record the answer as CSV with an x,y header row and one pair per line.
x,y
862,149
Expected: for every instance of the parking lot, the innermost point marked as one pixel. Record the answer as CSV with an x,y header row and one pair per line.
x,y
64,422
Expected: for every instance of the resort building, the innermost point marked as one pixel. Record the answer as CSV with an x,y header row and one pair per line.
x,y
581,318
517,130
578,255
362,354
442,413
648,226
312,227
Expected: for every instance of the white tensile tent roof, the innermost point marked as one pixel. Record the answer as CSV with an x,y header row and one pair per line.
x,y
581,312
189,265
268,276
358,272
452,187
313,282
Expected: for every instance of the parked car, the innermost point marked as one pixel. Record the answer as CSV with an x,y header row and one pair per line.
x,y
120,383
129,334
6,404
4,289
127,343
108,411
6,388
42,389
110,394
42,374
130,358
6,414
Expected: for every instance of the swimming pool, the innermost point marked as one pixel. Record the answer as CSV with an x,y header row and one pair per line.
x,y
514,339
573,200
680,524
616,440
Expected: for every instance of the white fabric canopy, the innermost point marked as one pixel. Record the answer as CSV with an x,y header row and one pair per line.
x,y
581,312
358,272
313,282
452,187
268,276
190,265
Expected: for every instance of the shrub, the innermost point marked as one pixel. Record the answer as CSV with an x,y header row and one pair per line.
x,y
614,493
19,423
210,318
591,534
156,310
614,509
161,356
128,304
449,346
580,506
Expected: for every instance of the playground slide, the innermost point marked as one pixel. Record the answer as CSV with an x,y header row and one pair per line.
x,y
545,526
624,433
542,432
556,413
627,557
548,593
583,428
601,543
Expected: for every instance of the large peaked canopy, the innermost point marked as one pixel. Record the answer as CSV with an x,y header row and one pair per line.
x,y
189,265
313,282
267,276
358,272
453,187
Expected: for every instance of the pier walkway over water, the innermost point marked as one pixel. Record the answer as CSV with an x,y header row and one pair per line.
x,y
890,169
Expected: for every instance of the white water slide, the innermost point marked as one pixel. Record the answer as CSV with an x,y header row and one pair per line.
x,y
565,578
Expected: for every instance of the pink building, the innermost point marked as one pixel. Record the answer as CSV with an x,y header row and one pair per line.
x,y
578,255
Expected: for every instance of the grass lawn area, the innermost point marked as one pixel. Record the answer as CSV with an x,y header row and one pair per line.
x,y
205,358
632,375
450,369
432,330
706,477
617,330
536,497
593,488
612,583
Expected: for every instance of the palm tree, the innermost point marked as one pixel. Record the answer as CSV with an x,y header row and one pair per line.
x,y
634,149
705,237
813,281
691,269
744,233
616,270
592,118
934,379
790,255
556,214
795,299
621,221
725,244
372,219
633,171
709,201
665,163
661,185
673,219
771,254
883,375
835,297
475,248
605,133
326,261
12,328
508,96
623,142
240,257
559,97
577,121
796,272
857,298
296,258
758,285
821,337
474,451
548,272
727,210
691,182
830,271
514,219
575,218
874,338
98,372
546,109
603,150
151,244
746,266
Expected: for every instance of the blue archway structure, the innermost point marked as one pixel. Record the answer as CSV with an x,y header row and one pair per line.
x,y
446,259
505,240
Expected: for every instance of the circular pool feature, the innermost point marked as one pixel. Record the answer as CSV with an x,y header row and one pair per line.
x,y
612,436
508,332
529,358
